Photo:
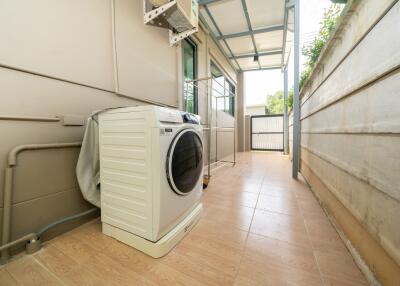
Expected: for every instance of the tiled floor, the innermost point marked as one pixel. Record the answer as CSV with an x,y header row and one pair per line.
x,y
259,227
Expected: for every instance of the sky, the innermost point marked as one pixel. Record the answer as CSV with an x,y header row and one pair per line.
x,y
259,84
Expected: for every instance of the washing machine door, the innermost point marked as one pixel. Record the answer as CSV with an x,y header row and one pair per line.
x,y
185,162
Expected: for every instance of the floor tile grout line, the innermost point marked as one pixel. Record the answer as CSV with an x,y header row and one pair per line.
x,y
312,246
248,232
291,243
48,270
12,276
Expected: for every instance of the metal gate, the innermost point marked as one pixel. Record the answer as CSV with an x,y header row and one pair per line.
x,y
266,132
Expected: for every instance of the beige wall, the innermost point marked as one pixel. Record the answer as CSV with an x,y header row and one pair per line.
x,y
350,133
70,57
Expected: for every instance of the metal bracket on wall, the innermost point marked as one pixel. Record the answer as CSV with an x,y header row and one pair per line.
x,y
151,15
176,37
171,16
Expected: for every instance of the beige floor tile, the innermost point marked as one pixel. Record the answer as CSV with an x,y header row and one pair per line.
x,y
92,235
239,217
207,258
324,236
280,226
282,205
198,270
80,276
76,249
6,279
277,191
259,227
219,248
220,232
264,249
150,268
28,271
329,281
232,200
55,260
269,274
339,266
112,273
247,186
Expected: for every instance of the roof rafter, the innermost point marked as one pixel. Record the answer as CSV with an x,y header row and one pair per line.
x,y
261,54
263,69
253,32
220,33
246,14
206,2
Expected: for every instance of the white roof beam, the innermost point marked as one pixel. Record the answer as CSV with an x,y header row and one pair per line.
x,y
206,2
253,32
260,54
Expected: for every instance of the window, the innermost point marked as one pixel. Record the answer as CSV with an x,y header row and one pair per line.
x,y
189,73
223,87
231,91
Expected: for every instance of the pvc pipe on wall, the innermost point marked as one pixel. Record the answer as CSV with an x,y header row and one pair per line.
x,y
8,187
12,155
30,118
25,238
8,178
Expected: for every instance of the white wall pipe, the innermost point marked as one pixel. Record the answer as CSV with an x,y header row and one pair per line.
x,y
8,188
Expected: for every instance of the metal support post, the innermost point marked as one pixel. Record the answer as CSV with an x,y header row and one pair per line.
x,y
285,114
296,96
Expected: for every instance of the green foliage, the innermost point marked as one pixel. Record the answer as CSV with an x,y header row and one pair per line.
x,y
290,99
275,102
313,50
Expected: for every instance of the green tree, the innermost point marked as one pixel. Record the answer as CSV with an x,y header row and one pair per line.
x,y
275,103
313,50
290,99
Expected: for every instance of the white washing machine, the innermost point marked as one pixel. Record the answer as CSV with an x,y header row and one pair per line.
x,y
151,171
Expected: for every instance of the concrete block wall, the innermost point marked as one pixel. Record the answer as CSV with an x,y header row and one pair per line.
x,y
350,124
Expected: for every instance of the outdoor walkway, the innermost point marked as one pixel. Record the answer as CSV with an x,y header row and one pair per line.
x,y
259,227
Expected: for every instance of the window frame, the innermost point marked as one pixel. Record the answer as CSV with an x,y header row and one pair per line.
x,y
193,44
229,107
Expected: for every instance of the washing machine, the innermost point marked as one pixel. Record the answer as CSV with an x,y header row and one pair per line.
x,y
151,171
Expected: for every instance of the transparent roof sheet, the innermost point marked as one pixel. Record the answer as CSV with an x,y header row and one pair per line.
x,y
248,28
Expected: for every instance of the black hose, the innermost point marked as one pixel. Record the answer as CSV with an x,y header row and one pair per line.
x,y
63,220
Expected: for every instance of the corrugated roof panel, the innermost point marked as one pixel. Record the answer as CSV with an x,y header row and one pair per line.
x,y
209,22
289,37
241,45
229,16
270,61
247,63
235,65
227,52
288,48
265,13
269,41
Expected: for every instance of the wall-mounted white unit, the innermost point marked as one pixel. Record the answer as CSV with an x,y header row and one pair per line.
x,y
179,16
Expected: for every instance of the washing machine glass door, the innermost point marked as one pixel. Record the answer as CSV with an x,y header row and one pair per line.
x,y
185,161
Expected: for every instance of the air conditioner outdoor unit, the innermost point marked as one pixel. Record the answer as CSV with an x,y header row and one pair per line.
x,y
179,16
